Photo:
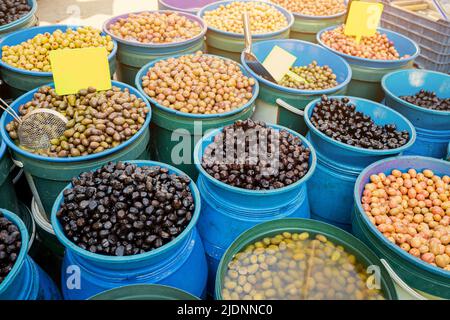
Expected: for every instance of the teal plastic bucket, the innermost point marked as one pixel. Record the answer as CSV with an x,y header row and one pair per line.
x,y
338,164
267,109
26,280
363,253
27,21
415,272
144,292
176,133
45,232
132,55
21,81
228,211
432,126
231,45
8,197
51,175
192,6
367,73
180,263
306,27
25,215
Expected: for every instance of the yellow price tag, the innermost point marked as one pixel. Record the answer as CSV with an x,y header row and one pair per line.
x,y
363,19
278,62
76,69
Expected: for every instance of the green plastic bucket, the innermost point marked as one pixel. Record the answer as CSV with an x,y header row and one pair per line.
x,y
231,45
47,250
21,81
8,198
27,21
47,176
338,236
45,231
175,133
132,55
266,107
25,215
367,73
306,27
144,292
366,82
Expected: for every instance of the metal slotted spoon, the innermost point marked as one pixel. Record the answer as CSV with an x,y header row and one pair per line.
x,y
38,127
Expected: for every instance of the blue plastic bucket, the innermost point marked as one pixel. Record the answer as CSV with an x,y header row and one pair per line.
x,y
174,130
132,55
230,44
26,280
367,73
192,6
338,164
228,211
20,81
416,273
266,107
26,21
432,126
51,174
180,263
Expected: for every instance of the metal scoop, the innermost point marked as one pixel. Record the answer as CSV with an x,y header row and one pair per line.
x,y
250,59
38,127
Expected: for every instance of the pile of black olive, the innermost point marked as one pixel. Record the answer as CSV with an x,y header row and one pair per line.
x,y
429,100
338,119
260,157
122,209
12,10
10,244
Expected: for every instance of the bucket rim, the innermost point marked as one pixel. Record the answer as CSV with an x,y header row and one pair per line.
x,y
300,91
15,148
33,4
300,225
312,168
23,253
190,16
68,244
171,7
212,6
145,69
387,63
355,100
141,291
373,230
388,91
43,29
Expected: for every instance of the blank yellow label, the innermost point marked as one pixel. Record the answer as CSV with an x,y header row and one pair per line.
x,y
363,19
278,62
76,69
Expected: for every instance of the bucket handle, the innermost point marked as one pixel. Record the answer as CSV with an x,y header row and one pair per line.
x,y
30,184
289,107
400,282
